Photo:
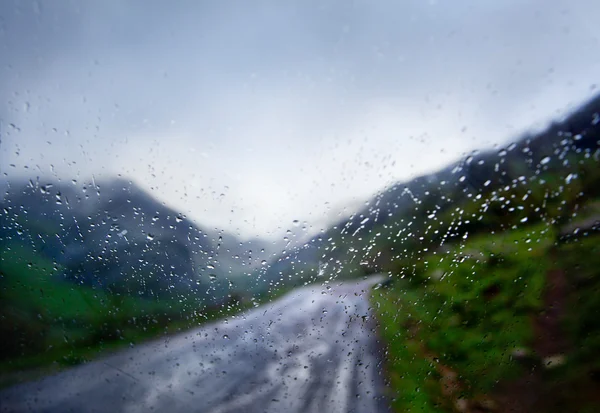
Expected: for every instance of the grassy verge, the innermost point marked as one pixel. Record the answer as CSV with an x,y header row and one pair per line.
x,y
495,322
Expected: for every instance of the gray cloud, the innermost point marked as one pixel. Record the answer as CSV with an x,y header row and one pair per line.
x,y
247,115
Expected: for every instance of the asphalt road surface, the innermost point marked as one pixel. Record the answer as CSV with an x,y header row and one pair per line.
x,y
313,350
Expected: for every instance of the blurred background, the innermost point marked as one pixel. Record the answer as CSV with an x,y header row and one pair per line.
x,y
173,163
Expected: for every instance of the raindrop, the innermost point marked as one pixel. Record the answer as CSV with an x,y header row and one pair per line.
x,y
570,178
212,277
545,160
150,237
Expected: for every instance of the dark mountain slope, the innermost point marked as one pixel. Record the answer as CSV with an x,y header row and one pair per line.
x,y
114,235
550,168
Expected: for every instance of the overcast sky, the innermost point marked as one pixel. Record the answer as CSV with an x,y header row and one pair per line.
x,y
247,115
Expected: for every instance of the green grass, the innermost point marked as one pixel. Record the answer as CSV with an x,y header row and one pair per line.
x,y
48,324
409,371
467,307
29,281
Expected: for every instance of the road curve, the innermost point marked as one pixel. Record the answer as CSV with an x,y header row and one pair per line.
x,y
313,350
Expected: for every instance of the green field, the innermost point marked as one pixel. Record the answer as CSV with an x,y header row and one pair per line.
x,y
494,322
48,323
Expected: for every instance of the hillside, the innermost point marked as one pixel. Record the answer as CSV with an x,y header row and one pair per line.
x,y
549,169
492,298
90,266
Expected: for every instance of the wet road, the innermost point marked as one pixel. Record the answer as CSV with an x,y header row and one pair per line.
x,y
313,350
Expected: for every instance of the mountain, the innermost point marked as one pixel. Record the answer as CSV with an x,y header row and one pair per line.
x,y
556,166
114,235
89,265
